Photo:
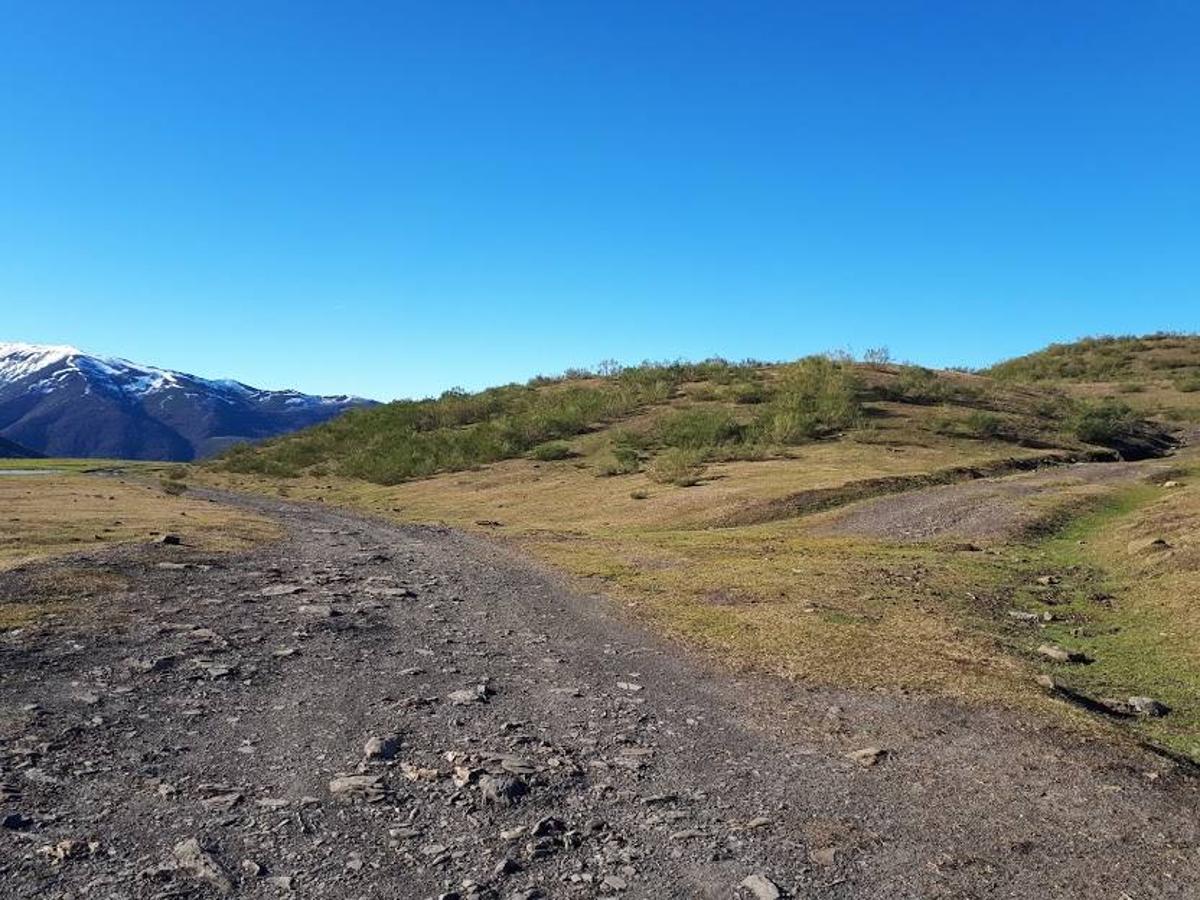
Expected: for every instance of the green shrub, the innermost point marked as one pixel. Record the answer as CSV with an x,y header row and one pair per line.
x,y
623,460
677,465
748,393
916,384
551,450
700,427
816,397
1104,422
986,425
1188,383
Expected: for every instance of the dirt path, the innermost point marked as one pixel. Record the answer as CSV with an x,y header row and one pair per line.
x,y
583,757
986,509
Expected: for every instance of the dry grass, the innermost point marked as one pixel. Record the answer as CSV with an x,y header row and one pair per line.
x,y
54,514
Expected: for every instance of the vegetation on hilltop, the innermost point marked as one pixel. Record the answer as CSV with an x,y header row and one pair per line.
x,y
1164,356
712,410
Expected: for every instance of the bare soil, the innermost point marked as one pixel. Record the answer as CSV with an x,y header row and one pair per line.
x,y
178,735
983,509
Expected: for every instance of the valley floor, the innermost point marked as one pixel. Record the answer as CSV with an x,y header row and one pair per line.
x,y
545,746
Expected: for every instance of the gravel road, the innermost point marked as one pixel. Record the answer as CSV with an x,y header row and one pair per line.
x,y
986,509
369,711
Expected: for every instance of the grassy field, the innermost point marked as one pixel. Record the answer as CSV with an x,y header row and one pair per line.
x,y
65,510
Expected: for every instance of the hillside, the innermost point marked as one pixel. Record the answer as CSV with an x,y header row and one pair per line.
x,y
60,402
1167,358
671,420
10,450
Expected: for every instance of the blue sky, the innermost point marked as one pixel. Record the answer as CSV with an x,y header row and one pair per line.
x,y
394,198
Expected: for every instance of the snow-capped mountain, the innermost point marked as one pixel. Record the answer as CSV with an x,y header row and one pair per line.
x,y
58,401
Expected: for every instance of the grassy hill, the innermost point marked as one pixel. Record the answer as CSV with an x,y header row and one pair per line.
x,y
672,420
1165,357
701,495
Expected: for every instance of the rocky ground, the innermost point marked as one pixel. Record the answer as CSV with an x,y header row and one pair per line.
x,y
365,710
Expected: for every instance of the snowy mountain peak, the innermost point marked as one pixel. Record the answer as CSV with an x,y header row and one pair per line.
x,y
60,401
19,360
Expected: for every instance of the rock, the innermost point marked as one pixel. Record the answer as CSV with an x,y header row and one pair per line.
x,y
1047,580
614,883
1170,484
548,826
15,822
502,790
867,756
253,869
1148,706
629,686
369,786
1047,681
516,765
1148,545
170,540
68,849
467,696
282,590
761,887
381,747
506,866
202,865
222,802
1023,616
317,610
1061,654
156,664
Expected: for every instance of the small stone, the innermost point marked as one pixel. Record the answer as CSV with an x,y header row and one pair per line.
x,y
630,686
502,790
381,747
202,865
1148,706
761,887
357,785
867,757
614,883
1047,681
467,696
253,869
281,590
1022,616
222,802
16,822
506,866
170,540
548,826
1061,654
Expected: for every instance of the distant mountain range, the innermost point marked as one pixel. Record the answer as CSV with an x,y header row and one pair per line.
x,y
58,401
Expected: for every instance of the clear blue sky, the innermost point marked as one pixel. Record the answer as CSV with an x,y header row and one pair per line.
x,y
393,198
